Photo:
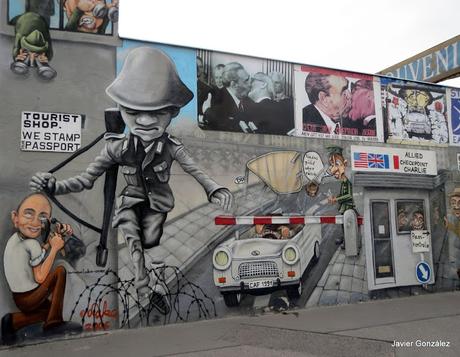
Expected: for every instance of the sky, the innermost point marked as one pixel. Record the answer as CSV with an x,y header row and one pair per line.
x,y
356,35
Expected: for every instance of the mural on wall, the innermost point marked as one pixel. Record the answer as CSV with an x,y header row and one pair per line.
x,y
187,300
149,93
281,247
204,227
272,255
185,122
411,216
337,167
336,105
242,94
88,16
28,265
452,223
414,113
36,277
32,46
454,127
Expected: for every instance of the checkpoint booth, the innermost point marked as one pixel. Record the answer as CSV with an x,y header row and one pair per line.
x,y
397,185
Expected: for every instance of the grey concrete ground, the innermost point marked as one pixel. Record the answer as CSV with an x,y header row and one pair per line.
x,y
362,329
343,281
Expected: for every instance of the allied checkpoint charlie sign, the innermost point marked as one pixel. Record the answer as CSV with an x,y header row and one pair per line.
x,y
58,132
406,161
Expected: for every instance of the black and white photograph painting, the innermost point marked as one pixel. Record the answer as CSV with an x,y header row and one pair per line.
x,y
244,94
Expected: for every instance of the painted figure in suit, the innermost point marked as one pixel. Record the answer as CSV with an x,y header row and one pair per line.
x,y
204,90
330,101
229,113
278,86
361,118
217,76
269,116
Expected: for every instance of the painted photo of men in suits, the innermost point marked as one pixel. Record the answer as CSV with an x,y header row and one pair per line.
x,y
249,95
330,101
229,111
269,116
335,104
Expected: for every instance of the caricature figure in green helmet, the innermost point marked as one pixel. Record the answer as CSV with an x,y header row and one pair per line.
x,y
32,46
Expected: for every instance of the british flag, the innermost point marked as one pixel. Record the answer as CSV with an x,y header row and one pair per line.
x,y
371,161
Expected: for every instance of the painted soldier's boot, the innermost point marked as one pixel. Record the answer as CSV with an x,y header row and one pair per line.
x,y
44,70
159,293
20,67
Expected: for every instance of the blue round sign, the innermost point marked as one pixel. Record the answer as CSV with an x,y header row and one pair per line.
x,y
423,272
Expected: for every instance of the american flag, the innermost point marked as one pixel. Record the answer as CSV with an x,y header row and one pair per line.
x,y
371,161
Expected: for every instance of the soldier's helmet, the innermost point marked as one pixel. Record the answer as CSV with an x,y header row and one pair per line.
x,y
149,81
34,42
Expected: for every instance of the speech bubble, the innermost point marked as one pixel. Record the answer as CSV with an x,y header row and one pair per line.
x,y
313,166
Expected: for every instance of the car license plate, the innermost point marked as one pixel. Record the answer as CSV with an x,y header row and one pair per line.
x,y
260,284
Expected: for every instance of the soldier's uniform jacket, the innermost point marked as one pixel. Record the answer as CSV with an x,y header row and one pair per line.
x,y
345,198
146,175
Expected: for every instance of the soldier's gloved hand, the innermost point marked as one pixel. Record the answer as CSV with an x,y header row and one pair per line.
x,y
41,181
223,197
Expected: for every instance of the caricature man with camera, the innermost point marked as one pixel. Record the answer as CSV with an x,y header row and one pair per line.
x,y
28,266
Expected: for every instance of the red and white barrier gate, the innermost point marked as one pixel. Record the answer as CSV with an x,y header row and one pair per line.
x,y
251,220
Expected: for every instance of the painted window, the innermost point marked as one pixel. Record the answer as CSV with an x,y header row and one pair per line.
x,y
410,216
383,257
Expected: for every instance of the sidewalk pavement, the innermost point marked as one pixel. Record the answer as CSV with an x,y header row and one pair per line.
x,y
422,323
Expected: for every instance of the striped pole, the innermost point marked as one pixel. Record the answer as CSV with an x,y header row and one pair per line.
x,y
251,220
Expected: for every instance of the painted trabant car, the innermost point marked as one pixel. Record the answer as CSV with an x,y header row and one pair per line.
x,y
265,258
417,124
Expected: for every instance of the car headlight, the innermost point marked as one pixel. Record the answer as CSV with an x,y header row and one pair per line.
x,y
290,255
221,259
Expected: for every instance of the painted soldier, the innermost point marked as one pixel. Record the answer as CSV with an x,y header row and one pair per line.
x,y
150,94
32,46
337,168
